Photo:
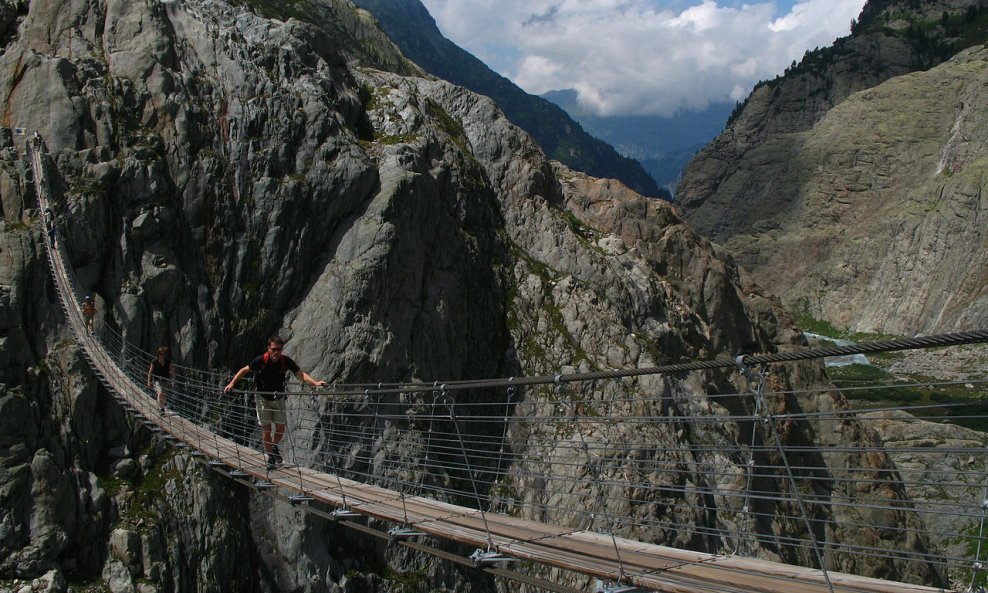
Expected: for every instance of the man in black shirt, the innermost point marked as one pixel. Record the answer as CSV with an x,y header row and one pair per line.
x,y
269,377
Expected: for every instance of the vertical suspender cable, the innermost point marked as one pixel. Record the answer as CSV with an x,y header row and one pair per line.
x,y
450,404
290,437
769,419
335,416
504,441
595,474
744,523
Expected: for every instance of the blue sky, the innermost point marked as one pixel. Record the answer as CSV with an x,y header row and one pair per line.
x,y
656,57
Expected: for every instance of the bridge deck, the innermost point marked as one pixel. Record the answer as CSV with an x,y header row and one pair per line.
x,y
646,565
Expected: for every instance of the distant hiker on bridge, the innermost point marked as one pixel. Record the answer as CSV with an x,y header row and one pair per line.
x,y
89,313
269,379
160,372
50,225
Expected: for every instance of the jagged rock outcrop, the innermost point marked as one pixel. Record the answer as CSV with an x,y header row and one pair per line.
x,y
927,472
221,175
854,191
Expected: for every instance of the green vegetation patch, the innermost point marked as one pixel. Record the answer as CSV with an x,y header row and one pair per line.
x,y
817,326
87,191
396,139
371,97
148,490
447,122
406,581
867,387
96,586
858,374
504,490
15,227
586,234
532,346
973,544
822,327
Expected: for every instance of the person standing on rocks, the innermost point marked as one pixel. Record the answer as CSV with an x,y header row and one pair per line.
x,y
160,372
269,371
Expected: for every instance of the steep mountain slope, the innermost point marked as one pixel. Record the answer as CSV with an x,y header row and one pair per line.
x,y
411,27
220,175
860,206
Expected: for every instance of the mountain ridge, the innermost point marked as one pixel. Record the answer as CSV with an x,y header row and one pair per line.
x,y
798,211
663,145
409,24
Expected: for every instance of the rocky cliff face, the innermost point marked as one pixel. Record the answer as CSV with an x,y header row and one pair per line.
x,y
932,469
854,191
221,175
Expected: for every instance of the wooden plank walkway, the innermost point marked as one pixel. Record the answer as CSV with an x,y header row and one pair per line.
x,y
650,566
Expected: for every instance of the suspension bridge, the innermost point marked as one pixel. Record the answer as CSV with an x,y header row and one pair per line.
x,y
442,462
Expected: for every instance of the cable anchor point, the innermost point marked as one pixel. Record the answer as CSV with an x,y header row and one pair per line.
x,y
401,533
482,558
344,513
600,587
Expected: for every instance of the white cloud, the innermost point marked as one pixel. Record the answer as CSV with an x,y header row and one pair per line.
x,y
642,56
702,17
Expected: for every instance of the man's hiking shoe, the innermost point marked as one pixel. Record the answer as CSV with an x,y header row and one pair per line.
x,y
272,462
276,454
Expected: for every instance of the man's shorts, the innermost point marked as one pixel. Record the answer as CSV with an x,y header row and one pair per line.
x,y
270,411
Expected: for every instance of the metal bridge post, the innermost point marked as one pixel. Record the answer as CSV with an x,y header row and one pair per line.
x,y
205,416
344,511
405,531
479,557
504,440
756,385
428,438
289,436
